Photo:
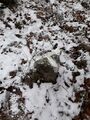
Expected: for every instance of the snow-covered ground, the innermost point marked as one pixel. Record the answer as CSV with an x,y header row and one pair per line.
x,y
35,29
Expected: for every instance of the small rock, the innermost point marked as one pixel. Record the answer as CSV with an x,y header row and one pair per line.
x,y
13,73
14,90
18,35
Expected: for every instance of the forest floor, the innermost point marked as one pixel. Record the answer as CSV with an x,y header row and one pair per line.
x,y
31,30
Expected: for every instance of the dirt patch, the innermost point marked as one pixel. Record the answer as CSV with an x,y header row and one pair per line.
x,y
82,64
84,97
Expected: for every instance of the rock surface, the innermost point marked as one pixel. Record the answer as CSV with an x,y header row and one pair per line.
x,y
43,73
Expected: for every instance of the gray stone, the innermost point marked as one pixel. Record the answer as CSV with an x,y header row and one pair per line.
x,y
44,72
